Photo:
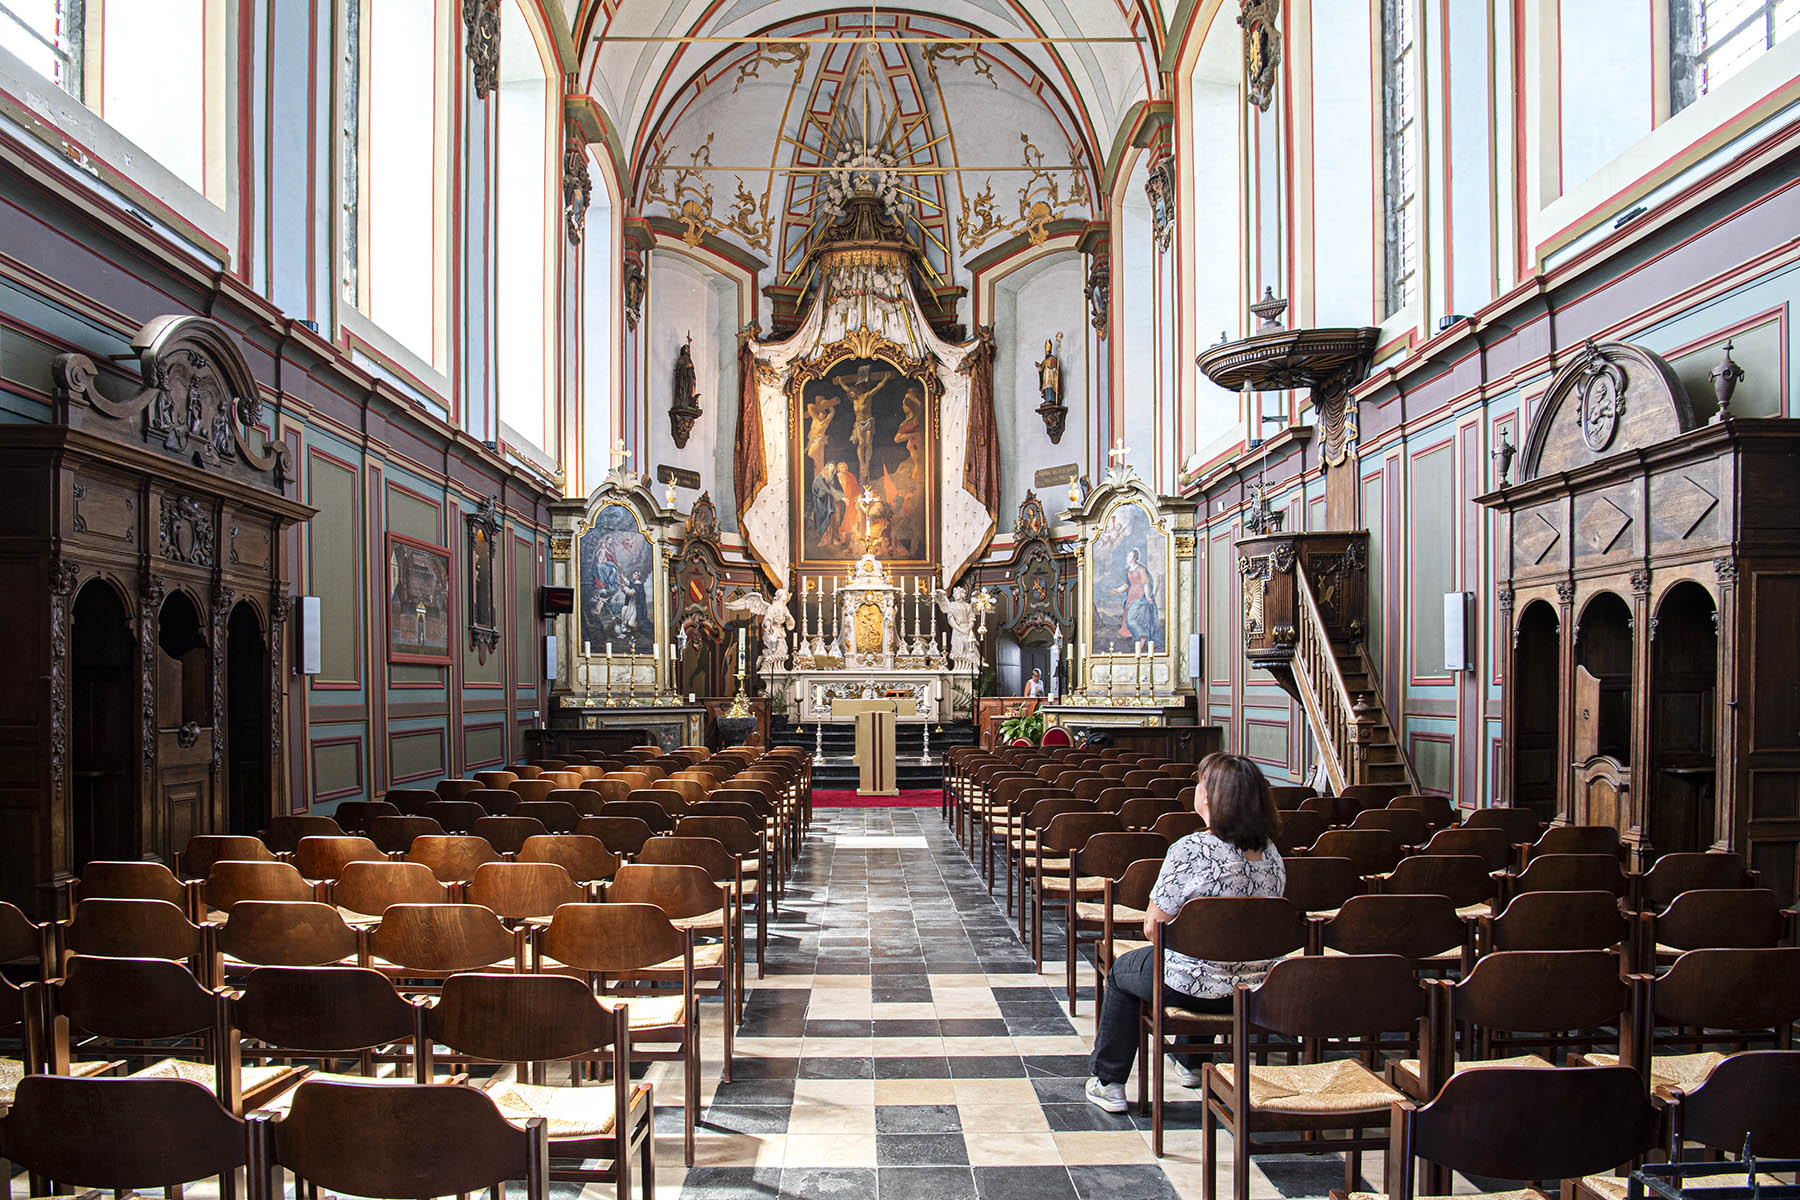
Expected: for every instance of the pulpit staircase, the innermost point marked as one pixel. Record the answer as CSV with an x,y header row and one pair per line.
x,y
1304,609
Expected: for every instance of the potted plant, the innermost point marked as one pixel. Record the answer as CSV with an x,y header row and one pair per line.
x,y
1026,727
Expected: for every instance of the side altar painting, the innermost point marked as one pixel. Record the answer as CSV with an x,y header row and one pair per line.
x,y
865,483
1130,573
618,569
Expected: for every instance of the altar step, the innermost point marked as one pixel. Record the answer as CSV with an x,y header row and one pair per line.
x,y
834,751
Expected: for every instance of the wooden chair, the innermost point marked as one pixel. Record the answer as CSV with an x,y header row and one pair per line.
x,y
456,789
1174,826
1101,860
621,835
584,856
747,843
495,802
1464,878
693,903
139,929
1289,797
1520,825
1744,998
526,770
1524,1008
1141,811
651,813
1234,929
138,879
535,1019
1373,851
558,814
607,789
151,1010
322,859
1525,1124
284,833
205,849
456,816
1168,785
1713,917
1053,881
1123,904
522,893
327,1015
367,1139
1404,823
452,857
395,833
1567,873
1321,885
1673,874
410,801
1297,829
285,933
634,957
1349,1000
1751,1098
535,789
1489,845
506,834
1360,796
124,1134
355,816
416,942
1556,921
366,890
1438,812
1573,839
232,880
1423,929
725,869
496,779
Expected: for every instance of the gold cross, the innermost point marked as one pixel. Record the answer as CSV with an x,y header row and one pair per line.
x,y
1119,451
620,453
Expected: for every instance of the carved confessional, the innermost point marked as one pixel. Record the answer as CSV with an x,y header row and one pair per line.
x,y
1650,577
146,598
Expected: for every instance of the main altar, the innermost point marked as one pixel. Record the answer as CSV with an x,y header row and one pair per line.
x,y
872,635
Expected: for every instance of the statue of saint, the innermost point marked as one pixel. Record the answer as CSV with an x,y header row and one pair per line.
x,y
1049,369
959,612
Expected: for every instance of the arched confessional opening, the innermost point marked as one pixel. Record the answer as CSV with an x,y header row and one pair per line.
x,y
184,727
1536,683
246,722
1602,729
1684,678
102,749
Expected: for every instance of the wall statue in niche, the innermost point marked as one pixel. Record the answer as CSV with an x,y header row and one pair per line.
x,y
484,537
1130,572
866,429
684,404
617,565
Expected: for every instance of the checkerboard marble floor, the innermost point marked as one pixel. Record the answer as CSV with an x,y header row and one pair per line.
x,y
903,1044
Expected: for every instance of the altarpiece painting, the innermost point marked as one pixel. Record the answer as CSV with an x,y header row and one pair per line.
x,y
618,568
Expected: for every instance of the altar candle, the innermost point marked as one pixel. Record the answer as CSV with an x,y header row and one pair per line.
x,y
740,647
609,649
587,649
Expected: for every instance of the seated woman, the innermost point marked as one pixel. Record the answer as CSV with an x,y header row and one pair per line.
x,y
1234,856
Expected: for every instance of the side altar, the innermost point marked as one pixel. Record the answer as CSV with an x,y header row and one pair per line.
x,y
870,637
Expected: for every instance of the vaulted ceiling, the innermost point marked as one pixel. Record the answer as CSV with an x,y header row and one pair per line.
x,y
734,117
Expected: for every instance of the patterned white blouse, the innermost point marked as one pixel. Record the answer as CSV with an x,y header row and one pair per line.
x,y
1200,864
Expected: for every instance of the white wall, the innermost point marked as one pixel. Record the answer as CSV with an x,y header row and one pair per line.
x,y
1036,302
687,296
1606,82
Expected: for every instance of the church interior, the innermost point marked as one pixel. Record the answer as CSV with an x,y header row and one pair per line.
x,y
985,599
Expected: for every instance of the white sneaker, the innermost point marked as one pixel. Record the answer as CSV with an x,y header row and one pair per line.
x,y
1107,1096
1187,1076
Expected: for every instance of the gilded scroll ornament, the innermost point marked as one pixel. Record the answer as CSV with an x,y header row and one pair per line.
x,y
577,188
481,22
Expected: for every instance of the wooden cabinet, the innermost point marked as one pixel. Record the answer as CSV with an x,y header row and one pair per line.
x,y
140,529
1649,573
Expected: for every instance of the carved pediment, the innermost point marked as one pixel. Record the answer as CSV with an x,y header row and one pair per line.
x,y
197,401
1610,398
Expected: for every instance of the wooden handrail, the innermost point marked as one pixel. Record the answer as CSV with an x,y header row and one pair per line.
x,y
1324,692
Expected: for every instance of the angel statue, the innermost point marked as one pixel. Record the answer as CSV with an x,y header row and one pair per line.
x,y
776,621
959,611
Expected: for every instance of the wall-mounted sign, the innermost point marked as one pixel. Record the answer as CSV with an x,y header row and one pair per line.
x,y
1052,477
679,476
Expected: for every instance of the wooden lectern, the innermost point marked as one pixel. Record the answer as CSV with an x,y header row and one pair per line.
x,y
875,724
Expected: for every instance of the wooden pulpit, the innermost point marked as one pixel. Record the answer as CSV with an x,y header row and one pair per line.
x,y
875,726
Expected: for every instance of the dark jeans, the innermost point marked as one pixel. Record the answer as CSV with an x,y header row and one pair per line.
x,y
1128,989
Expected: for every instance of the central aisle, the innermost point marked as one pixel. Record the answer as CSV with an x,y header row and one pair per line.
x,y
903,1046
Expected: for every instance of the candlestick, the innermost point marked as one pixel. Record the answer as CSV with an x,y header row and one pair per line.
x,y
587,649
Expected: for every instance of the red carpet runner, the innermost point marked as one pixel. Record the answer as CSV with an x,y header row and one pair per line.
x,y
823,798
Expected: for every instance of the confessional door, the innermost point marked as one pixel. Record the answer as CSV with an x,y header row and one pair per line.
x,y
247,806
1684,665
103,691
1536,707
182,800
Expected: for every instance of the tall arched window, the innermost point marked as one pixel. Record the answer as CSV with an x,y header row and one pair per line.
x,y
599,316
523,259
395,101
155,72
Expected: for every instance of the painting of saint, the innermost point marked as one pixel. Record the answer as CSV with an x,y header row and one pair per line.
x,y
418,601
1129,563
865,480
617,566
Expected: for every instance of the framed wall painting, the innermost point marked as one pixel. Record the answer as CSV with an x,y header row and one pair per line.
x,y
484,536
418,601
1129,569
618,575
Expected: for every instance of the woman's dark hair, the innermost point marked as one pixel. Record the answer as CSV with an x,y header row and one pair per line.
x,y
1239,809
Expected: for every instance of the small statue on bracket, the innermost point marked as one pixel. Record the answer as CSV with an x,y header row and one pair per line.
x,y
684,408
1050,386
